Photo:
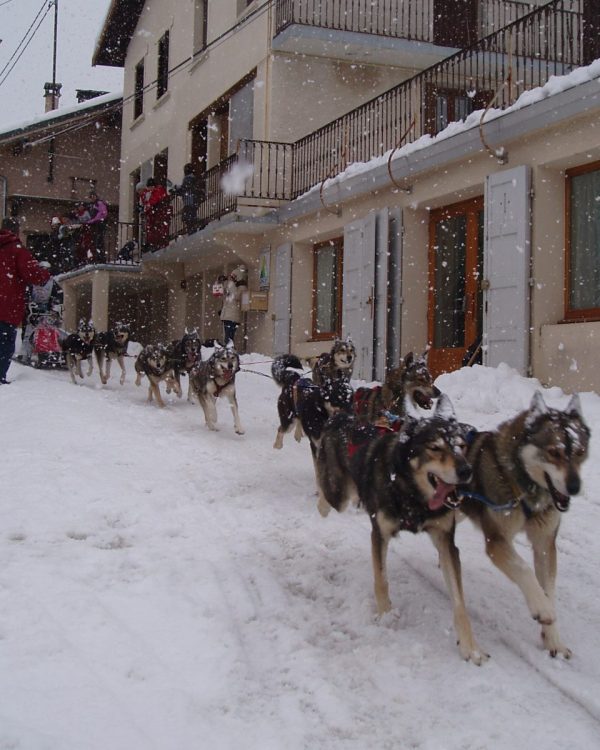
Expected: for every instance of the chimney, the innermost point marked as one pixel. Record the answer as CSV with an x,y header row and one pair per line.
x,y
51,95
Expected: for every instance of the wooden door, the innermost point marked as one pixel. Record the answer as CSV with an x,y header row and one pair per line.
x,y
455,273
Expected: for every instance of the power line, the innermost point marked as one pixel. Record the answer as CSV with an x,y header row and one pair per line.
x,y
180,67
6,2
20,49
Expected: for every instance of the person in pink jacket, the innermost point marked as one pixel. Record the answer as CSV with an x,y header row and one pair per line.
x,y
97,223
18,268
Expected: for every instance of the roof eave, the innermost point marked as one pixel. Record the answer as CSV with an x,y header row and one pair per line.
x,y
120,23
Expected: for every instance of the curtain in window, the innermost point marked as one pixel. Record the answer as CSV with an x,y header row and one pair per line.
x,y
584,289
325,290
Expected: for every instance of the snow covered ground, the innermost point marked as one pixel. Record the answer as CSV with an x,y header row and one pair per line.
x,y
163,587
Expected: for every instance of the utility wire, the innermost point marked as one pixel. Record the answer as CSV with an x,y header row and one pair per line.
x,y
6,2
18,51
180,67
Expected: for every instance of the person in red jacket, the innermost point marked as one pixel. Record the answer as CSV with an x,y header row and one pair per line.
x,y
157,210
18,268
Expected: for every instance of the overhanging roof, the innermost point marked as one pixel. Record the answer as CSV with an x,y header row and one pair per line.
x,y
119,25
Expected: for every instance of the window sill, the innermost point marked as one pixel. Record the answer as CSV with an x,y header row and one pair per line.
x,y
159,102
588,318
138,121
201,57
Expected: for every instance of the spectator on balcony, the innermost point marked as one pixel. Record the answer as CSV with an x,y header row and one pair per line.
x,y
98,211
190,192
157,212
84,244
62,240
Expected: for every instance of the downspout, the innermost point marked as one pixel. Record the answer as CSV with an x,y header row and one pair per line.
x,y
3,195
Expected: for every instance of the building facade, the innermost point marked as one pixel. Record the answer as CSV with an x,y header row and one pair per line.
x,y
404,175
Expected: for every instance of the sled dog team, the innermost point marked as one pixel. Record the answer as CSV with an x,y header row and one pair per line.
x,y
206,380
418,475
408,474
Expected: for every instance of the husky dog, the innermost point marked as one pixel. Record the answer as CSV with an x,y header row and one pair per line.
x,y
411,381
214,378
530,465
335,364
405,481
79,346
153,362
184,353
303,404
111,345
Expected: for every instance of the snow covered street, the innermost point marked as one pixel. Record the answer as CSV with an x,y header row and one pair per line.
x,y
163,587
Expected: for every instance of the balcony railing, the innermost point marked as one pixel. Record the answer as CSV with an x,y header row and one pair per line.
x,y
551,40
456,23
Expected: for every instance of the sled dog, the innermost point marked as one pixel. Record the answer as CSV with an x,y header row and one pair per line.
x,y
335,364
111,345
184,353
153,362
411,381
79,346
304,405
214,378
405,481
531,465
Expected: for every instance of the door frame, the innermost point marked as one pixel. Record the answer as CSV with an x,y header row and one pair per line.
x,y
447,359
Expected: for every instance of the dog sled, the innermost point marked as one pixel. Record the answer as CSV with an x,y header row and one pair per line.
x,y
46,338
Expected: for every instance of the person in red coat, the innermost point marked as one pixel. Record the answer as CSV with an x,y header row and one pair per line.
x,y
157,210
18,268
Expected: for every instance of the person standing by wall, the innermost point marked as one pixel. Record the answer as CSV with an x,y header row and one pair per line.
x,y
18,268
231,313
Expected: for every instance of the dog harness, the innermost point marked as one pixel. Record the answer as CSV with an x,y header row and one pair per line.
x,y
386,422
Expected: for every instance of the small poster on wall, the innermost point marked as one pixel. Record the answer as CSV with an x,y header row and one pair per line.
x,y
264,263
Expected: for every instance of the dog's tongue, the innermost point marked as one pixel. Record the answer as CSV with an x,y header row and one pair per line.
x,y
441,493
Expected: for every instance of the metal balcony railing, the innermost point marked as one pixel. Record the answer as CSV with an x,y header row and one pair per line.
x,y
455,23
551,40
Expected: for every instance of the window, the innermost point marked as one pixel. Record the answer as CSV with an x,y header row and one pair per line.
x,y
200,25
138,96
444,106
327,289
583,242
162,74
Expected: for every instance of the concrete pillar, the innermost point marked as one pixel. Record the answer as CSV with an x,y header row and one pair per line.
x,y
177,300
100,290
69,307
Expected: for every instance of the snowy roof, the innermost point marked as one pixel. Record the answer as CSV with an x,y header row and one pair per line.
x,y
47,119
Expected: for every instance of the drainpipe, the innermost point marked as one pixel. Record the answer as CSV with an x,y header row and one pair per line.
x,y
3,195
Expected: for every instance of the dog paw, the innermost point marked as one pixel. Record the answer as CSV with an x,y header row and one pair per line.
x,y
471,652
553,645
323,507
122,381
545,615
240,431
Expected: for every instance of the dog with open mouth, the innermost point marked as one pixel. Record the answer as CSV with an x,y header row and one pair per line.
x,y
405,481
334,364
79,346
109,346
524,474
184,354
410,382
153,362
214,378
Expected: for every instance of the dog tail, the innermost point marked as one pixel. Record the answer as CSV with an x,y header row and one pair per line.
x,y
286,369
